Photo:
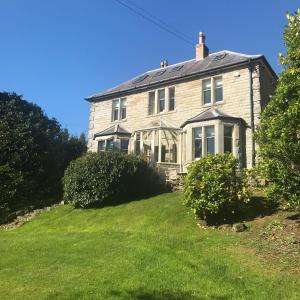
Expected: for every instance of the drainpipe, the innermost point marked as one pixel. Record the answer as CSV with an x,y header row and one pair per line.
x,y
252,111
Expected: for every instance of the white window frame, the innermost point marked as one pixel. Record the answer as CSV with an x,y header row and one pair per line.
x,y
204,140
212,90
119,100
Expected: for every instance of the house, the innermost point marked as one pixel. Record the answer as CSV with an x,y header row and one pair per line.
x,y
178,113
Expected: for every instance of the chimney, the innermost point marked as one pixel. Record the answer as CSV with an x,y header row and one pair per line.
x,y
201,49
163,63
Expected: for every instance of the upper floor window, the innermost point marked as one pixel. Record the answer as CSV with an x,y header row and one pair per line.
x,y
217,95
218,89
151,103
228,139
123,108
119,109
116,110
171,98
206,91
161,100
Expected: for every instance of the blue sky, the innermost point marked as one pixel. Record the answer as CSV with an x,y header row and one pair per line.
x,y
57,52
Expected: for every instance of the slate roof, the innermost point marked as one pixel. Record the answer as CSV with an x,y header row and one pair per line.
x,y
179,71
159,124
115,129
209,114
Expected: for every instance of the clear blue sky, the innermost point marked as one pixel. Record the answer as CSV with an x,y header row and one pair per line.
x,y
57,52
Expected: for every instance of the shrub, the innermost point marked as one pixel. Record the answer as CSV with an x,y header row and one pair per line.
x,y
108,177
34,152
213,187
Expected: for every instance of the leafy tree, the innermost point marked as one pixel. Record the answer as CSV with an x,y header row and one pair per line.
x,y
34,151
278,134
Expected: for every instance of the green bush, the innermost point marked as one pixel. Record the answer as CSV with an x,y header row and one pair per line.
x,y
108,177
213,186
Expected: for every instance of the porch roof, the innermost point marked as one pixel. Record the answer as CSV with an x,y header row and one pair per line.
x,y
158,125
210,114
113,130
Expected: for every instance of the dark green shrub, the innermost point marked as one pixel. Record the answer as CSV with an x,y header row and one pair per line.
x,y
213,187
108,177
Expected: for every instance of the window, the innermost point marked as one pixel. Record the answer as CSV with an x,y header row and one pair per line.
x,y
171,98
119,109
210,139
207,91
163,153
105,145
124,145
173,153
109,145
197,134
138,143
123,108
218,89
115,109
161,100
228,139
101,146
151,103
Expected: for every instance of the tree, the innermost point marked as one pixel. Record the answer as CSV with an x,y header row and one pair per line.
x,y
278,134
34,152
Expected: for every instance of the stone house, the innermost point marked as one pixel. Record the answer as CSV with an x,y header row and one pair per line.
x,y
177,113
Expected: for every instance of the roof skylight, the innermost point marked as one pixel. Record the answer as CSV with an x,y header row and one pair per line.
x,y
220,56
140,79
159,73
177,68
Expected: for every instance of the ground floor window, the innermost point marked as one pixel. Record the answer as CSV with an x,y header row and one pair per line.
x,y
105,145
124,145
197,134
228,139
210,139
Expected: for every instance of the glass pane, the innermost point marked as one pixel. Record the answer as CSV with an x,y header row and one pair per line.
x,y
109,145
101,146
218,94
123,113
174,154
123,102
210,131
228,131
210,143
116,104
198,148
124,145
116,114
207,84
207,96
163,153
171,98
218,82
227,144
151,103
161,97
156,153
198,133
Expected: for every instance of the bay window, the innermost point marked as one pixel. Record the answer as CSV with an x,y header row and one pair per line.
x,y
210,139
197,134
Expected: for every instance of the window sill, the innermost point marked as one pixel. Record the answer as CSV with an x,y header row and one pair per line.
x,y
162,113
119,121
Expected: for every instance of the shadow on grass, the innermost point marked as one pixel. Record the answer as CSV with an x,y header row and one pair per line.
x,y
295,217
141,294
242,212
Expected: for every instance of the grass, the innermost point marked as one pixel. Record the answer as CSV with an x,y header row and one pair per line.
x,y
148,249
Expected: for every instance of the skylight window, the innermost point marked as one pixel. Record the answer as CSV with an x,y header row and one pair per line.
x,y
159,73
220,56
177,68
140,79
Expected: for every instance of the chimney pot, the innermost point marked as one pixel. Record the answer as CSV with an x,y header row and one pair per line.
x,y
201,49
163,63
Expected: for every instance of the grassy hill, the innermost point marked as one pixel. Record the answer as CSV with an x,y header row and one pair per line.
x,y
148,249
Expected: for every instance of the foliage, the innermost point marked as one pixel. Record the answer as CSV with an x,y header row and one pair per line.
x,y
34,151
108,177
278,134
214,185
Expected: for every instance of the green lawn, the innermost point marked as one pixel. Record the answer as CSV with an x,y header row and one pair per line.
x,y
148,249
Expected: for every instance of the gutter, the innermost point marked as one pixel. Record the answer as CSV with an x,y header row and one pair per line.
x,y
250,67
